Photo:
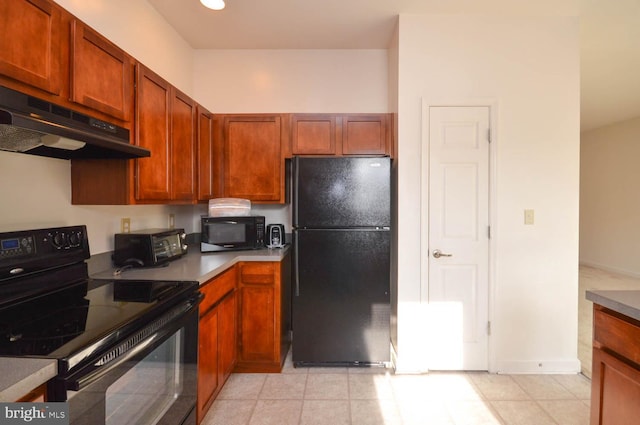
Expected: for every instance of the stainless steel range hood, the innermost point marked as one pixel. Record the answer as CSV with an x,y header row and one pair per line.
x,y
37,127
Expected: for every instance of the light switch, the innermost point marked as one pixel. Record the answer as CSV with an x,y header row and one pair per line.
x,y
528,217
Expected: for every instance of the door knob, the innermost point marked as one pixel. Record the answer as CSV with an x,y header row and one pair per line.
x,y
437,254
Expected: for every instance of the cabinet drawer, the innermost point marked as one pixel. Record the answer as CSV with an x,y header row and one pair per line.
x,y
215,289
617,334
257,273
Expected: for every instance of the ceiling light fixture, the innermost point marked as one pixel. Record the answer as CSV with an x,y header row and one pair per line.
x,y
213,4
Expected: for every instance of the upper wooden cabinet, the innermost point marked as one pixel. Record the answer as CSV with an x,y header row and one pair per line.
x,y
101,73
209,154
313,134
366,135
331,134
33,47
253,157
165,124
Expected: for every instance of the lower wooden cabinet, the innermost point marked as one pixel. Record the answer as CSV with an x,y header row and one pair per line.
x,y
615,381
216,338
264,312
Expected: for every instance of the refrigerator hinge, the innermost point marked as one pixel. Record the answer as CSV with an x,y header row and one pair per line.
x,y
488,328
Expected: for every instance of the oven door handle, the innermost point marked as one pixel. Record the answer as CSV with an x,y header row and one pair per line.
x,y
122,353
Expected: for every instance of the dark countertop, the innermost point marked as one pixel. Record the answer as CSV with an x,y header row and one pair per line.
x,y
624,302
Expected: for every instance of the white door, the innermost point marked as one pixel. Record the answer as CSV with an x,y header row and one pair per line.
x,y
458,237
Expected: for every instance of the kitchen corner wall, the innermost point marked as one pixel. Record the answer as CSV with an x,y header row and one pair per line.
x,y
609,201
528,68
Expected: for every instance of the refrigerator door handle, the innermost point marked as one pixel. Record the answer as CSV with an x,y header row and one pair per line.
x,y
295,263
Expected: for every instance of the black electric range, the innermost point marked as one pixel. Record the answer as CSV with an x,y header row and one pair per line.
x,y
53,309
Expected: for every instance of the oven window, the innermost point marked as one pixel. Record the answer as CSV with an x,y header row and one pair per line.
x,y
227,233
143,394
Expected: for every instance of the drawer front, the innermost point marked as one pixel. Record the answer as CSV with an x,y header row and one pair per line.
x,y
617,334
258,273
215,289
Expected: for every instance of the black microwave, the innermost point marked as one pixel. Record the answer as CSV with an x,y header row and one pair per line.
x,y
232,233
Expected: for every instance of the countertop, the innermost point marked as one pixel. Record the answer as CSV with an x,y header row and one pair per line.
x,y
18,376
623,302
195,266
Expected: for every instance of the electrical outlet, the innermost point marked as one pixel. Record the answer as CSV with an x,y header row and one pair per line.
x,y
528,217
172,221
125,225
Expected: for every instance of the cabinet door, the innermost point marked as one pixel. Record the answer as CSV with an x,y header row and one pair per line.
x,y
227,331
208,376
101,73
615,390
152,132
183,136
259,318
313,134
209,163
365,135
32,43
253,161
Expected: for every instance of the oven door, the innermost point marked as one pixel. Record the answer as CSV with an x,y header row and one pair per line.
x,y
150,378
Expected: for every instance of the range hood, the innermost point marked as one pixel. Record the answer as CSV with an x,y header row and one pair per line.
x,y
38,127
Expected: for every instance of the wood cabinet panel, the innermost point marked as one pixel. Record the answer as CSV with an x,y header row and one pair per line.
x,y
253,159
263,316
209,157
208,377
183,137
101,73
32,48
313,134
152,132
166,125
217,338
618,333
365,135
616,385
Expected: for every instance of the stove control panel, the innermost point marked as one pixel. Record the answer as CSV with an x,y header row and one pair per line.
x,y
33,250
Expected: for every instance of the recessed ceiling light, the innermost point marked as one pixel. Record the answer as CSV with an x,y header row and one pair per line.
x,y
213,4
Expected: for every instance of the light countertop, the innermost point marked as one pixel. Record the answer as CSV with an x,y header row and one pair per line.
x,y
624,302
18,376
195,266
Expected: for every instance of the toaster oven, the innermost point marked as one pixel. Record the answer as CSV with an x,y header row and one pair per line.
x,y
148,248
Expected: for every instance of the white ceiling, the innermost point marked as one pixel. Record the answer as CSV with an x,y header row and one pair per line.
x,y
610,35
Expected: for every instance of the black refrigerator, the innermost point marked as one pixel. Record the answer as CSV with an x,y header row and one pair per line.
x,y
341,274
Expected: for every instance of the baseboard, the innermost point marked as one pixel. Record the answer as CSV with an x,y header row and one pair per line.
x,y
514,367
606,268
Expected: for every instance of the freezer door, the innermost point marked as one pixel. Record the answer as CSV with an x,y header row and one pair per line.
x,y
341,192
341,296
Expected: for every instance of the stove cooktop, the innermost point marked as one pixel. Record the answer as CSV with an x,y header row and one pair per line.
x,y
63,322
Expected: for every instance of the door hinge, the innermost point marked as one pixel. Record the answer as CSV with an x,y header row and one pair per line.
x,y
489,135
489,232
488,328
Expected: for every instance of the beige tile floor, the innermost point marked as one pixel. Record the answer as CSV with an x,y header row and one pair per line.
x,y
352,396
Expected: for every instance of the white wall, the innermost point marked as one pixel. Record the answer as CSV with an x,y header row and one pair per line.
x,y
530,69
609,200
36,192
239,81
